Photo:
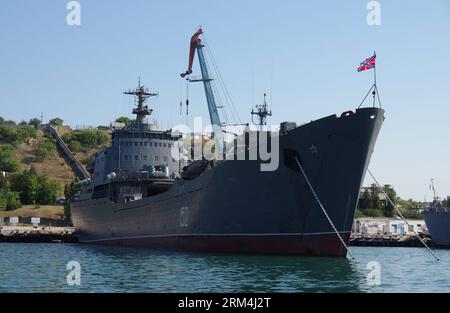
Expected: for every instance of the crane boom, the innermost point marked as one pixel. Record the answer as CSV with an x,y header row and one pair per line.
x,y
196,44
195,40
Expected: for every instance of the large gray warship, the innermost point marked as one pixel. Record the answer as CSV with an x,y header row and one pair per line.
x,y
140,195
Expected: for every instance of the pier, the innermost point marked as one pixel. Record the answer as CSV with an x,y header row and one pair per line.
x,y
388,241
29,234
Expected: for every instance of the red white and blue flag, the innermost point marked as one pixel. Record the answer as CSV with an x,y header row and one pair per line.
x,y
367,64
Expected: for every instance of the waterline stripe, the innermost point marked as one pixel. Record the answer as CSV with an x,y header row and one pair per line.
x,y
204,235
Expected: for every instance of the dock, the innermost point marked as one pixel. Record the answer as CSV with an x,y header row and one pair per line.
x,y
29,234
388,241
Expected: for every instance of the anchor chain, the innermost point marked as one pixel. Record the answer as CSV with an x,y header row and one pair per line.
x,y
323,209
401,216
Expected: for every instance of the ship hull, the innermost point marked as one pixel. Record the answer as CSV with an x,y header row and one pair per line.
x,y
237,208
438,224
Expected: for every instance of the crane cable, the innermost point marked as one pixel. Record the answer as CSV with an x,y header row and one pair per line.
x,y
323,209
223,86
401,216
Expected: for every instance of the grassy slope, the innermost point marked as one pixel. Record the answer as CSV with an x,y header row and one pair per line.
x,y
54,167
48,211
83,156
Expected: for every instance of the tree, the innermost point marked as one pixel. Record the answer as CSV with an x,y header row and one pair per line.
x,y
392,194
3,182
35,122
9,123
375,197
9,200
8,160
446,202
364,201
34,188
27,185
47,191
69,194
125,120
1,120
56,122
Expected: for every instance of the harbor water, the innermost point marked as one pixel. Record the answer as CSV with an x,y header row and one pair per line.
x,y
43,268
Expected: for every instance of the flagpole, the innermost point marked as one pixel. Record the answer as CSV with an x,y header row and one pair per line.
x,y
375,70
375,90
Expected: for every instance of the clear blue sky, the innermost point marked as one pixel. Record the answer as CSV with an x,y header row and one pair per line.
x,y
304,53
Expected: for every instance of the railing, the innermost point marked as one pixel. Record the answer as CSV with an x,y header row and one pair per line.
x,y
79,169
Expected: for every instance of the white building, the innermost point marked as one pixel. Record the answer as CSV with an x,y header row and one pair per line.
x,y
387,226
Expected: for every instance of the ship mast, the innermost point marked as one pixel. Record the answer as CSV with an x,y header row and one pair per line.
x,y
262,113
432,188
142,94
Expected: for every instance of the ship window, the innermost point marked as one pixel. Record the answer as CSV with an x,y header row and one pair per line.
x,y
145,158
136,157
126,158
150,144
145,144
141,143
160,144
165,159
136,143
156,158
165,145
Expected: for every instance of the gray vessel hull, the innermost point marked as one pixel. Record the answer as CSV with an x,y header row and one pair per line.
x,y
438,224
236,208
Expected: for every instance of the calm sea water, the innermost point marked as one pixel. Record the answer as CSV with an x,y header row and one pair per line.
x,y
42,267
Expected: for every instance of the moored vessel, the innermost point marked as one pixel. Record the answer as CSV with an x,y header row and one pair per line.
x,y
141,194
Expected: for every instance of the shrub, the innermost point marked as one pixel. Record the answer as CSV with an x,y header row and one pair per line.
x,y
25,133
8,135
45,149
87,138
8,160
75,146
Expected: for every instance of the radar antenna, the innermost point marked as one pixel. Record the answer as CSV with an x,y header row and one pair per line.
x,y
142,94
262,113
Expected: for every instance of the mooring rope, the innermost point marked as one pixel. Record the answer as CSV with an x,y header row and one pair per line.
x,y
401,216
323,209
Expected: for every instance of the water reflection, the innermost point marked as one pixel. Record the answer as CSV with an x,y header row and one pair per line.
x,y
187,272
